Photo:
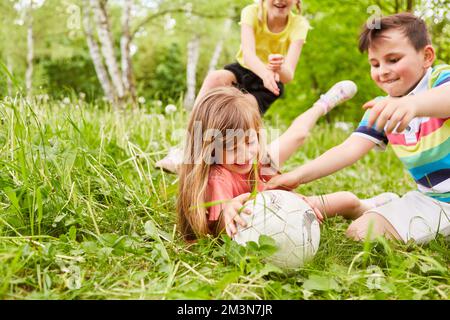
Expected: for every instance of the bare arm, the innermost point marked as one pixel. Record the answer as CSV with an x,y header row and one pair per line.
x,y
284,147
400,111
434,103
287,70
253,62
335,159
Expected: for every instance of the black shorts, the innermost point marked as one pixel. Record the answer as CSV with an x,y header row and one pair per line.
x,y
250,82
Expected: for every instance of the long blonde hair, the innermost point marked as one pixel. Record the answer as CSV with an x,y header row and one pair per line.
x,y
221,109
298,5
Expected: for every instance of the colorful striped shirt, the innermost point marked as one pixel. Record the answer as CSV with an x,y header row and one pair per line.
x,y
424,146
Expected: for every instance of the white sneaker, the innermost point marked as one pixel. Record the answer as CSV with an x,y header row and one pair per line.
x,y
380,200
171,163
340,92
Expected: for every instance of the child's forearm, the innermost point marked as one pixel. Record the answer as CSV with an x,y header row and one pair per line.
x,y
328,163
434,103
335,159
286,74
255,64
287,71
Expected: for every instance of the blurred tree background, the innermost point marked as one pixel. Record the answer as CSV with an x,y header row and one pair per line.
x,y
49,41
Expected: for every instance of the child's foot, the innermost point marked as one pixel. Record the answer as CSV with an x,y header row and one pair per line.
x,y
378,200
171,163
340,92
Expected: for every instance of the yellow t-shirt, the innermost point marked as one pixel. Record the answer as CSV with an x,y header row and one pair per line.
x,y
267,42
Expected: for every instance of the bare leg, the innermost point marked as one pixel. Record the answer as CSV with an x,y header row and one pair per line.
x,y
342,203
284,147
215,79
371,225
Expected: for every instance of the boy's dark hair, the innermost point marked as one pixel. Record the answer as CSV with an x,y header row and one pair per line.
x,y
414,28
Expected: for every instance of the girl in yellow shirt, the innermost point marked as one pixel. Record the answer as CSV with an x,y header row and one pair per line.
x,y
272,37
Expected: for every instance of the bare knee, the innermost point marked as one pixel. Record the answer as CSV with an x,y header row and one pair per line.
x,y
219,78
355,231
352,200
371,225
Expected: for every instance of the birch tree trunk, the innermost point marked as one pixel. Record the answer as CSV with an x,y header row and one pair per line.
x,y
191,70
218,50
94,51
125,40
107,48
30,52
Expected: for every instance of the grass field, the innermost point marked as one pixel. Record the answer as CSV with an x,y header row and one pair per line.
x,y
85,215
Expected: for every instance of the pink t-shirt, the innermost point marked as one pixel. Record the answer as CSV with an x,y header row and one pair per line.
x,y
224,184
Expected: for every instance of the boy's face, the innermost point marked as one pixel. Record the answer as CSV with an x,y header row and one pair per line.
x,y
396,66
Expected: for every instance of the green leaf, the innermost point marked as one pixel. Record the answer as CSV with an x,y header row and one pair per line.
x,y
72,233
321,283
11,194
151,230
267,245
269,268
40,210
90,247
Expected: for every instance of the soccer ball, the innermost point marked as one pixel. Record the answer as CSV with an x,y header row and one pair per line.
x,y
286,218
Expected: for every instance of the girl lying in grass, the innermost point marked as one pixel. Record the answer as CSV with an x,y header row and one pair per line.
x,y
226,158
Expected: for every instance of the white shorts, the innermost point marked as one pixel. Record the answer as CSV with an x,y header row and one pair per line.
x,y
417,216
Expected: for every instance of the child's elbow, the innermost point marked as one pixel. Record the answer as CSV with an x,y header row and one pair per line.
x,y
288,77
302,137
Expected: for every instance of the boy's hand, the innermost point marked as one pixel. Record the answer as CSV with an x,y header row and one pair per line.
x,y
231,213
275,62
286,181
398,111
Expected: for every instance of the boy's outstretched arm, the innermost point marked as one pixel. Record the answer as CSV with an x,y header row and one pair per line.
x,y
335,159
433,103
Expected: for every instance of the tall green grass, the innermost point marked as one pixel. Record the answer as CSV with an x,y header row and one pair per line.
x,y
84,214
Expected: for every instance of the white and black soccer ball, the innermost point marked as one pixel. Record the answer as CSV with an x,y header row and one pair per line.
x,y
289,220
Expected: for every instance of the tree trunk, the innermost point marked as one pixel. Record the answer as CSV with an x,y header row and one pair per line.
x,y
107,48
191,70
30,52
219,46
410,5
125,40
94,51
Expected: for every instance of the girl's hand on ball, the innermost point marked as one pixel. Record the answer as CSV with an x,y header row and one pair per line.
x,y
317,212
231,213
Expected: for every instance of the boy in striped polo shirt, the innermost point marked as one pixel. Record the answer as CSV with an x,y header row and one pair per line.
x,y
414,119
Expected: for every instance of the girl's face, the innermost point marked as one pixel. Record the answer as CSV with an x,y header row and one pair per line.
x,y
239,156
280,8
